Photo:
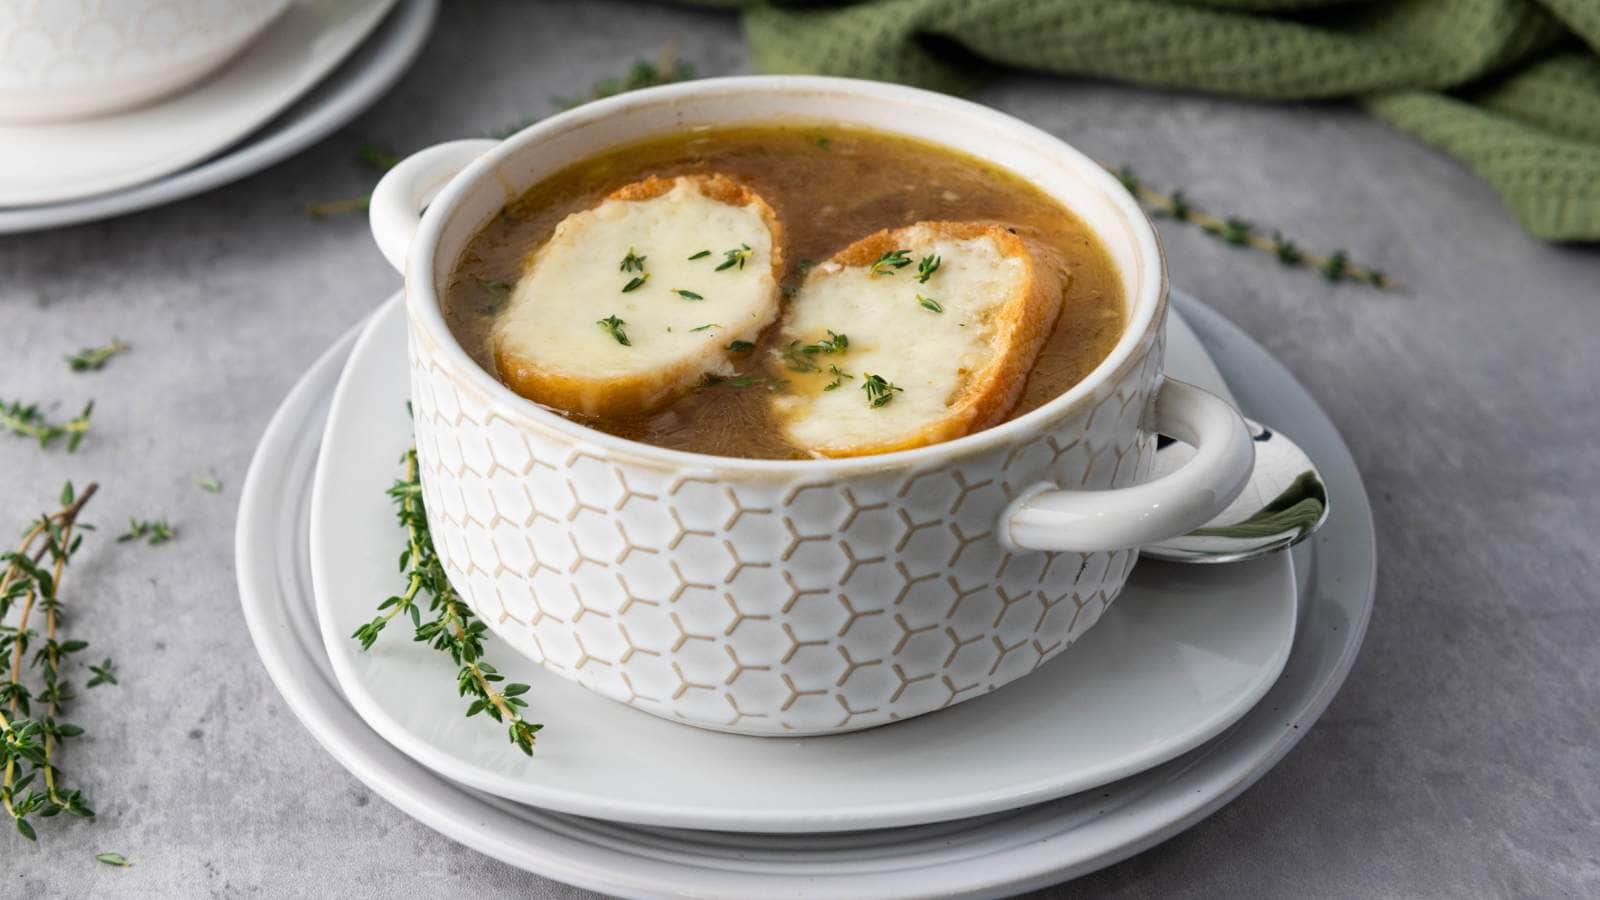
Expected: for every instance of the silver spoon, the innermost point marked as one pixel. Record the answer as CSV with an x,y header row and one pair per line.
x,y
1284,502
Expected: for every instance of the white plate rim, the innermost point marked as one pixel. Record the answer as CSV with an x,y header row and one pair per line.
x,y
1195,785
363,75
137,165
741,804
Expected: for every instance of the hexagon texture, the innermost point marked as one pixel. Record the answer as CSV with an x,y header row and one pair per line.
x,y
744,602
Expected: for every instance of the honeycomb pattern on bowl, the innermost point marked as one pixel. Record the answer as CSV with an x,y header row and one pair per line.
x,y
760,604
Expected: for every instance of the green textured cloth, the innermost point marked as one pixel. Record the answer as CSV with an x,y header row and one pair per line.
x,y
1509,87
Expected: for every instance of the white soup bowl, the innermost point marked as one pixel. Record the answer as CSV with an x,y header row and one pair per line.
x,y
783,597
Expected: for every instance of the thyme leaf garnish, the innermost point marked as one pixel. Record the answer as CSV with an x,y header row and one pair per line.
x,y
453,629
833,343
734,257
929,304
798,355
701,255
888,262
105,673
113,859
25,420
635,282
632,262
705,326
91,359
613,326
687,295
879,392
151,531
794,355
926,267
839,377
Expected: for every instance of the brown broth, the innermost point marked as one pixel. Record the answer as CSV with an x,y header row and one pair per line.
x,y
830,186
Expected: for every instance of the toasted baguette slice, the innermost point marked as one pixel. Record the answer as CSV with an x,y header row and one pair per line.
x,y
572,338
953,351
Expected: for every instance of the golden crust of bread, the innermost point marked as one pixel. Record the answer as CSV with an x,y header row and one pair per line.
x,y
618,396
644,391
1022,324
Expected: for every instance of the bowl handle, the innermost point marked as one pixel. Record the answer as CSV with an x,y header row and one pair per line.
x,y
405,190
1044,518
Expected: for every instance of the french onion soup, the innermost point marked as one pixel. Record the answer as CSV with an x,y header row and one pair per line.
x,y
786,292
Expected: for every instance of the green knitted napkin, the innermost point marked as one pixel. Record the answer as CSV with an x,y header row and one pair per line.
x,y
1510,87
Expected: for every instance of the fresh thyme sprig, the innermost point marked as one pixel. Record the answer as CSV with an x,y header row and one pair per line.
x,y
25,420
30,581
926,266
879,392
453,629
91,359
1335,266
839,378
632,262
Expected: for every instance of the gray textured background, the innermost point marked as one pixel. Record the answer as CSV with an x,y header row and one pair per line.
x,y
1462,758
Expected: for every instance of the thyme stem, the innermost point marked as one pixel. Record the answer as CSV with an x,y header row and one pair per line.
x,y
454,629
1335,266
35,740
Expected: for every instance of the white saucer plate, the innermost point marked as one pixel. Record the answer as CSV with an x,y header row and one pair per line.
x,y
94,161
985,856
1183,653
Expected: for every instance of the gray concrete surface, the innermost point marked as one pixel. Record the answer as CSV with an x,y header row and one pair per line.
x,y
1461,759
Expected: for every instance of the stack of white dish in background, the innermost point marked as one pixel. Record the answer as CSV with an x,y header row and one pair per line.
x,y
1193,684
111,106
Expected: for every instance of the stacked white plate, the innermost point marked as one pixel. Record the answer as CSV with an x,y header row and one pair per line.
x,y
314,68
1194,684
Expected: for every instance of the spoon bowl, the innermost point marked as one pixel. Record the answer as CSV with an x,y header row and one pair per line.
x,y
1284,503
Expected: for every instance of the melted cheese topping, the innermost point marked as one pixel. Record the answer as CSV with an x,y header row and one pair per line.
x,y
576,279
930,355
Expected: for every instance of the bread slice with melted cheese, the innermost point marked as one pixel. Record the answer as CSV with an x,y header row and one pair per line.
x,y
884,350
699,256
